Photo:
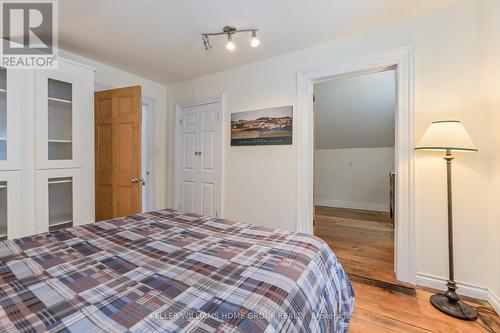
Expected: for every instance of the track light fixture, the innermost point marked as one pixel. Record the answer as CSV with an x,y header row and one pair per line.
x,y
229,31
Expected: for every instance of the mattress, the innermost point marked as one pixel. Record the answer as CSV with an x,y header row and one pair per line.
x,y
171,271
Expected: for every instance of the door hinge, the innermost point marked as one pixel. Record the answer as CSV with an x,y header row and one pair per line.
x,y
180,121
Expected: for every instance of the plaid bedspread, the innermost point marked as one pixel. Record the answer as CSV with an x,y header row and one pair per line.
x,y
169,271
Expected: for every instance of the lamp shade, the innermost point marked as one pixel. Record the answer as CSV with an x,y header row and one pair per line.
x,y
446,135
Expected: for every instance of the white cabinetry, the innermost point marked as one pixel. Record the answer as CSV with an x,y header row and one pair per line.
x,y
46,170
10,199
10,119
59,197
59,107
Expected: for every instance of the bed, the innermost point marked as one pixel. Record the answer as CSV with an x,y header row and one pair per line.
x,y
171,271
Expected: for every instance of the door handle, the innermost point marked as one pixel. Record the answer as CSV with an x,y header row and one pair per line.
x,y
138,180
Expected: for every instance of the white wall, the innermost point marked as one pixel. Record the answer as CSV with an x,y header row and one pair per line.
x,y
355,178
110,77
489,41
259,183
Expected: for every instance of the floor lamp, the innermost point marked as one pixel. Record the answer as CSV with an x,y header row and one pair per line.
x,y
448,136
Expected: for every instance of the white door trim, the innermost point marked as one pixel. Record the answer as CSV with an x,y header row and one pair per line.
x,y
403,60
219,99
149,103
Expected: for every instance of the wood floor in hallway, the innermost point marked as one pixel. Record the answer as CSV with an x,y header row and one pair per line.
x,y
364,243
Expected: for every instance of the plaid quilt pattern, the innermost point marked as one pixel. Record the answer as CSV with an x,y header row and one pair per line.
x,y
170,271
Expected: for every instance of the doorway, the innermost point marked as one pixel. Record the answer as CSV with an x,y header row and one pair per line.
x,y
198,152
354,163
403,61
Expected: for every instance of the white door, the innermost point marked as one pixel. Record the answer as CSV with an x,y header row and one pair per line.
x,y
199,185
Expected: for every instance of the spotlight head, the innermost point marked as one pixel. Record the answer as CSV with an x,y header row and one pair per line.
x,y
230,45
206,42
254,41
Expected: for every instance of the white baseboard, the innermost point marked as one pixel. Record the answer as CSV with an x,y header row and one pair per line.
x,y
465,289
352,205
494,301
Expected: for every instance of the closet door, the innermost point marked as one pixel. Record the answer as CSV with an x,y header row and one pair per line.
x,y
199,184
208,159
190,162
10,207
58,109
10,119
59,199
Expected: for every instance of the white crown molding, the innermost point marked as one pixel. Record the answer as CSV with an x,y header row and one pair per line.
x,y
465,289
352,205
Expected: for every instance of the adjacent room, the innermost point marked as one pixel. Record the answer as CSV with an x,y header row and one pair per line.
x,y
354,171
270,166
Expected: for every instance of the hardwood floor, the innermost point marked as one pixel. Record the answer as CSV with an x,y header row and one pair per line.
x,y
364,243
362,240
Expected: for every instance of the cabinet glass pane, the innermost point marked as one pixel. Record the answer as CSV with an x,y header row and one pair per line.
x,y
60,120
3,210
60,203
3,114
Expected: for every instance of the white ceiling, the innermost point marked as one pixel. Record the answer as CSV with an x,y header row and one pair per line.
x,y
160,39
356,112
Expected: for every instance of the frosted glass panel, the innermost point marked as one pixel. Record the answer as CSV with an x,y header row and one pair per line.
x,y
60,120
3,210
60,203
60,150
3,114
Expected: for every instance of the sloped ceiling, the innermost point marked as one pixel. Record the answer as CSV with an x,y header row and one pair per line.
x,y
356,112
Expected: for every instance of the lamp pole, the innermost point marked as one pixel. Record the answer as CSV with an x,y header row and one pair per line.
x,y
452,287
450,302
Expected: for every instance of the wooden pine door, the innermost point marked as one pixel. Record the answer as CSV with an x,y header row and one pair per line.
x,y
200,161
118,183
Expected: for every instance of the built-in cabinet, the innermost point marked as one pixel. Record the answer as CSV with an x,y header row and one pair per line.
x,y
10,119
59,197
10,197
46,172
59,117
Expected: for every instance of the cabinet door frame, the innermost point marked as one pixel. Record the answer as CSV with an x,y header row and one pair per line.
x,y
69,73
14,116
14,203
42,197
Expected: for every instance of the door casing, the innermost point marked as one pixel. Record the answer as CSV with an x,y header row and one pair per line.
x,y
403,60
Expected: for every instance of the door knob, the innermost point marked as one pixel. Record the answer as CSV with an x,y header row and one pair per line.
x,y
138,180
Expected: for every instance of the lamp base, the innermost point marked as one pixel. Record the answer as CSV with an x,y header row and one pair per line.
x,y
455,308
